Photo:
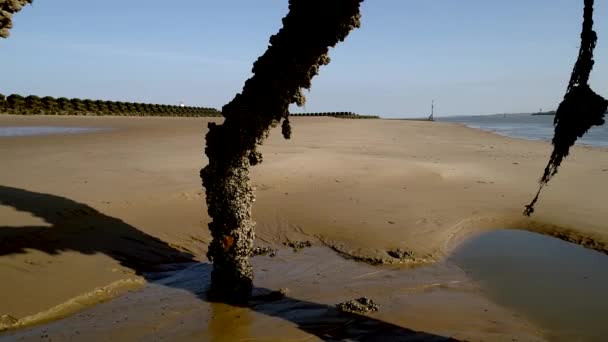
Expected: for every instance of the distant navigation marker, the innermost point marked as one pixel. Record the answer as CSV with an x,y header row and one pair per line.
x,y
431,118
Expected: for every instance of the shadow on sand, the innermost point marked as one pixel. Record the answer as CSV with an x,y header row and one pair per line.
x,y
81,228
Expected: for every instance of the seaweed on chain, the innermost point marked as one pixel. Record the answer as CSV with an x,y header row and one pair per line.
x,y
580,109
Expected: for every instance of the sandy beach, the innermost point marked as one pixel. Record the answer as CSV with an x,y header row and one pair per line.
x,y
85,217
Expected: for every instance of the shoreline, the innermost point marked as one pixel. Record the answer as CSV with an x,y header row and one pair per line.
x,y
462,124
505,135
417,186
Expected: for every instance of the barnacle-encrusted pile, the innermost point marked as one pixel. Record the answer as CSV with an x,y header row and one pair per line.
x,y
581,108
293,58
7,9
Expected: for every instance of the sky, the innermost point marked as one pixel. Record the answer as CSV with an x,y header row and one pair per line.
x,y
471,56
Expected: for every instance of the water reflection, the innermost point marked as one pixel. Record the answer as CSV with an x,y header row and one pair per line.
x,y
227,322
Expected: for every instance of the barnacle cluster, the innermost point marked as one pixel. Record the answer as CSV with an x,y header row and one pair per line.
x,y
7,9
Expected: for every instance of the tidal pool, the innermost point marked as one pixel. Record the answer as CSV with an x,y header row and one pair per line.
x,y
559,286
16,131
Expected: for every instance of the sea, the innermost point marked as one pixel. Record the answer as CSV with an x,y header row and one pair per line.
x,y
527,126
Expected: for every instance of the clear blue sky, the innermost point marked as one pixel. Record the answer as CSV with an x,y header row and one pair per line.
x,y
471,56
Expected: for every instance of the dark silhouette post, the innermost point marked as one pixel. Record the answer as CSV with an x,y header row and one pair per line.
x,y
293,58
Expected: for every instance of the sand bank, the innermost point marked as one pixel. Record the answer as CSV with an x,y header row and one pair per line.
x,y
79,212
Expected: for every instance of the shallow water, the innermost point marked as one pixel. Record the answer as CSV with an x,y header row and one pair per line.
x,y
559,286
435,303
16,131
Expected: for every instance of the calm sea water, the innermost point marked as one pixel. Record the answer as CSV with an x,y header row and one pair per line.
x,y
16,131
526,126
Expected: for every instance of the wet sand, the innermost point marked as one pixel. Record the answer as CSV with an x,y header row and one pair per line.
x,y
424,304
80,212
